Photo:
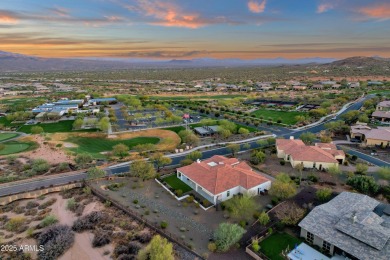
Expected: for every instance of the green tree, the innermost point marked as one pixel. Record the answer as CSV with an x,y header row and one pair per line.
x,y
263,218
337,127
78,123
351,116
262,142
384,173
224,133
289,213
228,125
242,207
363,184
104,124
188,137
40,166
142,169
83,159
258,157
324,194
120,150
186,162
158,249
160,160
36,130
233,148
95,173
226,235
308,137
283,187
361,168
195,155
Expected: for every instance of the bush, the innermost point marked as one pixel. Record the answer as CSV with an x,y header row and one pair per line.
x,y
48,221
89,221
144,236
242,223
363,184
190,199
47,203
282,162
135,201
55,240
101,239
15,224
312,178
256,247
31,204
178,193
324,194
71,204
164,224
227,235
212,247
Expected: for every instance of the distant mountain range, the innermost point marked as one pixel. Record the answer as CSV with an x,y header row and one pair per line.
x,y
13,62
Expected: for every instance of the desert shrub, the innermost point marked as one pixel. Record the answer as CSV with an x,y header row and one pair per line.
x,y
190,199
56,240
31,212
164,224
15,224
71,204
324,194
101,238
19,210
282,162
134,247
48,221
32,204
47,203
312,178
135,201
178,193
144,236
89,221
212,246
40,166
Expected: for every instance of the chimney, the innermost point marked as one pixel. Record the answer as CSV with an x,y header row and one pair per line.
x,y
291,137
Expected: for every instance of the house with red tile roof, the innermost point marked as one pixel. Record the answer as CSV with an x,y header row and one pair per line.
x,y
219,178
319,156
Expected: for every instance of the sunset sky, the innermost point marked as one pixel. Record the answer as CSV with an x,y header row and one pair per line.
x,y
184,29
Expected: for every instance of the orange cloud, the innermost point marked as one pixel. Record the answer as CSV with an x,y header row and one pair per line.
x,y
257,7
322,8
168,14
7,18
377,12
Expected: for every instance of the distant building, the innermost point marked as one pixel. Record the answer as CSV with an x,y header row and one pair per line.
x,y
219,178
383,116
383,106
206,130
350,226
371,137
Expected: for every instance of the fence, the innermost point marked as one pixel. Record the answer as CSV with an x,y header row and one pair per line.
x,y
171,237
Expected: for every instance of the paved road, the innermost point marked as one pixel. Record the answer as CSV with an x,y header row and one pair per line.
x,y
6,189
367,158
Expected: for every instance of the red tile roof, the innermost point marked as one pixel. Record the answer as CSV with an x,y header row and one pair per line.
x,y
218,174
320,152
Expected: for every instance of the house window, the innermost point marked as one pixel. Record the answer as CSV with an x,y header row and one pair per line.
x,y
326,246
228,193
179,174
310,237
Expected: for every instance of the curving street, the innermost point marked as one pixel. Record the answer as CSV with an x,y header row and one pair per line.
x,y
36,183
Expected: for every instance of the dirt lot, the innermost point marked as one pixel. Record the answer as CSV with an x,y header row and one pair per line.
x,y
191,224
47,150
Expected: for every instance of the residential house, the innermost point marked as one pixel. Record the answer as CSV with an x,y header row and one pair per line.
x,y
354,84
299,88
383,106
319,156
383,116
371,137
317,86
219,178
350,226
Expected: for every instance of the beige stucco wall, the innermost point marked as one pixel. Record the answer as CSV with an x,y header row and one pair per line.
x,y
373,142
307,164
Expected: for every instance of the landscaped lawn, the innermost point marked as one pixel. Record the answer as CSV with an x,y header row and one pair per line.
x,y
274,244
95,146
6,136
177,184
251,129
191,97
175,129
14,147
287,117
59,127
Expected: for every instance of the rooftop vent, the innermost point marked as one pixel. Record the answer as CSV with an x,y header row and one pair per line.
x,y
212,164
